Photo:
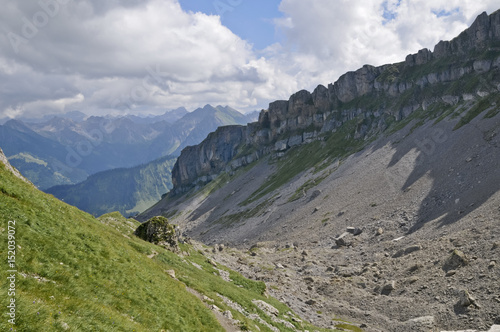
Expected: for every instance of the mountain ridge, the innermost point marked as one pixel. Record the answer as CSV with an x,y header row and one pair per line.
x,y
377,205
62,151
307,115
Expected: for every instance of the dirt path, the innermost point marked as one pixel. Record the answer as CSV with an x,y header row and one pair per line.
x,y
225,322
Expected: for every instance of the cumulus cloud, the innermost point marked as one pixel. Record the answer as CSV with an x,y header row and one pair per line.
x,y
329,37
128,55
132,56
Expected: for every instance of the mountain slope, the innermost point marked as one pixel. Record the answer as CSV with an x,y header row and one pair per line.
x,y
41,159
75,272
202,121
126,190
375,198
63,150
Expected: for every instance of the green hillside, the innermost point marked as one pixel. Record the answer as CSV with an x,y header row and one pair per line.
x,y
46,173
78,273
127,190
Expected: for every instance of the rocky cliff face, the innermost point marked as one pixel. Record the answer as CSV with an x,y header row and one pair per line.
x,y
202,162
393,92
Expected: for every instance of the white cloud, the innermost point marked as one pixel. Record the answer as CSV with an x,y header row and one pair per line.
x,y
330,37
152,55
148,56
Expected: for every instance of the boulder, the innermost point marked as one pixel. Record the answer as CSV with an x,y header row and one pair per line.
x,y
455,260
311,302
466,300
159,231
354,230
388,288
342,240
280,145
266,307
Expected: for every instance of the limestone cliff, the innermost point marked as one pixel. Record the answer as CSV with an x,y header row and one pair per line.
x,y
204,161
375,96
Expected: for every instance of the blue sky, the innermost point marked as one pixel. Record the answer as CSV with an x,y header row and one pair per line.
x,y
150,56
252,20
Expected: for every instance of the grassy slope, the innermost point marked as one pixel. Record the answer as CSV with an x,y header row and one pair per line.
x,y
93,275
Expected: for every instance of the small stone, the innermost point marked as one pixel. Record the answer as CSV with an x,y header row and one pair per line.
x,y
451,273
466,300
415,267
413,280
309,279
304,253
455,260
388,288
341,241
407,251
227,314
310,302
354,230
221,247
211,262
315,194
411,249
207,299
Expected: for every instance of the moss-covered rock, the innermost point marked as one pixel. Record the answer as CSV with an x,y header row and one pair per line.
x,y
159,231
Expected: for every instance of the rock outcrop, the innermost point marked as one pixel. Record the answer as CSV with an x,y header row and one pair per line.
x,y
159,231
5,161
394,92
204,161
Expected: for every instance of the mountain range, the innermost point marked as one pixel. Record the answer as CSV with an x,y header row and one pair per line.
x,y
371,204
66,150
375,198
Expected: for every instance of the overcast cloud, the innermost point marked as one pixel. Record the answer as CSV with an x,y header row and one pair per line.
x,y
150,56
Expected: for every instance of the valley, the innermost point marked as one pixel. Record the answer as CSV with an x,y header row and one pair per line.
x,y
352,201
370,204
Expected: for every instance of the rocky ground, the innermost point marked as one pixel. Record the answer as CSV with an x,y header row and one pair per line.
x,y
403,236
381,282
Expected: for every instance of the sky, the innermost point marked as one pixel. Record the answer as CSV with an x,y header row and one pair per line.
x,y
149,56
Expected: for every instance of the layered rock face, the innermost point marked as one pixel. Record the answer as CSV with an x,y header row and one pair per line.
x,y
302,118
208,158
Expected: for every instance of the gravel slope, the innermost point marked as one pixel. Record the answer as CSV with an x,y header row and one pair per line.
x,y
431,189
